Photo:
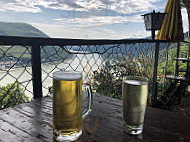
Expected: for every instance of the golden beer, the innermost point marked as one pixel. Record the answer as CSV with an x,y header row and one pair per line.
x,y
134,92
67,105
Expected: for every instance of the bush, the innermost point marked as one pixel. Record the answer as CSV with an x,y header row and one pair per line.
x,y
12,94
108,81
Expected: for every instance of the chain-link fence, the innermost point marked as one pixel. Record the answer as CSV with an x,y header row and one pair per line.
x,y
131,58
15,75
100,61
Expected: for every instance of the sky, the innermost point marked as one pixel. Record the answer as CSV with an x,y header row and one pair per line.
x,y
85,19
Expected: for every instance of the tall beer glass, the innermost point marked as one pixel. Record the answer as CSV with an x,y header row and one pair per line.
x,y
67,105
134,92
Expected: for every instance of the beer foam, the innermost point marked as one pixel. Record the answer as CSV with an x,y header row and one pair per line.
x,y
67,75
135,82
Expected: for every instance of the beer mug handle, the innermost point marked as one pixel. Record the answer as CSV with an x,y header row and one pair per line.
x,y
90,98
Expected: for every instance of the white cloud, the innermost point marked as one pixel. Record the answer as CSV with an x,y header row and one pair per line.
x,y
120,6
2,10
88,27
18,6
100,20
67,31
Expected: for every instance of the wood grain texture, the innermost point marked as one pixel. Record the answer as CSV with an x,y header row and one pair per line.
x,y
32,122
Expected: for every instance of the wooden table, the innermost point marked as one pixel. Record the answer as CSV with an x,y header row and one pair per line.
x,y
33,122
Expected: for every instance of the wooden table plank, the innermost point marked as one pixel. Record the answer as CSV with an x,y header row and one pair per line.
x,y
29,125
33,122
9,133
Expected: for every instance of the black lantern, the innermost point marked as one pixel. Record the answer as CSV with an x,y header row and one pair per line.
x,y
153,21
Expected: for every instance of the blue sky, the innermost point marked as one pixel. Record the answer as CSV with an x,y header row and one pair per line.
x,y
91,19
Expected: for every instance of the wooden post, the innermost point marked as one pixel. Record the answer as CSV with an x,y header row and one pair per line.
x,y
36,71
154,88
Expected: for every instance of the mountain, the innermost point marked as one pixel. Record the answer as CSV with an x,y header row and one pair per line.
x,y
20,29
48,54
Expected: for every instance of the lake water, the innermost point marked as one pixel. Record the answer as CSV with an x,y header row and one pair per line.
x,y
85,63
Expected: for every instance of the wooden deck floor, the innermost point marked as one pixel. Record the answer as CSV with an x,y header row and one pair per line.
x,y
32,122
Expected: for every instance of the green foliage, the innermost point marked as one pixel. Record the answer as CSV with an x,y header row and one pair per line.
x,y
171,64
11,95
164,99
50,89
182,3
108,81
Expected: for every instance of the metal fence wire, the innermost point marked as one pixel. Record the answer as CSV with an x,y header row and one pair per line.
x,y
15,75
119,57
132,59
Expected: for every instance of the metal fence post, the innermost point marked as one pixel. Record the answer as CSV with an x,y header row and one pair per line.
x,y
154,88
177,66
165,68
36,71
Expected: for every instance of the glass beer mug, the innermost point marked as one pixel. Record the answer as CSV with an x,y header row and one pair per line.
x,y
67,105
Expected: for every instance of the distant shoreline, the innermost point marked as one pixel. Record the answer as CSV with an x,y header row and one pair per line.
x,y
11,70
19,68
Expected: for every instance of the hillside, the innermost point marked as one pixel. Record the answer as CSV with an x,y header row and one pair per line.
x,y
48,54
20,29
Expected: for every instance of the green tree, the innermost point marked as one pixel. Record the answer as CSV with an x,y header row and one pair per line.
x,y
12,94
